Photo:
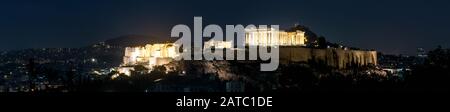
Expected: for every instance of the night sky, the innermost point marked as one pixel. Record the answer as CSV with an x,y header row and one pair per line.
x,y
394,27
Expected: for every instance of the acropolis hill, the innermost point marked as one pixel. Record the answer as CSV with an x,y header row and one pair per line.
x,y
292,47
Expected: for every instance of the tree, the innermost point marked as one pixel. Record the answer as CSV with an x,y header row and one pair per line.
x,y
296,77
322,42
140,69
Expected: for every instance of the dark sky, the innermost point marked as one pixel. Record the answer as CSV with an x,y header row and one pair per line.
x,y
386,25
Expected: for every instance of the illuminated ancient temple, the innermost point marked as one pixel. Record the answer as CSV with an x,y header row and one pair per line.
x,y
151,55
271,37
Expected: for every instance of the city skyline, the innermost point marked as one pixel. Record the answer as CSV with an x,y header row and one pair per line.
x,y
392,27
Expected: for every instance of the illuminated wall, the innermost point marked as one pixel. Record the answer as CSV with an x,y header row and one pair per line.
x,y
338,58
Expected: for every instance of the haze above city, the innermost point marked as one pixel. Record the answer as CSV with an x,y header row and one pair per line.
x,y
393,27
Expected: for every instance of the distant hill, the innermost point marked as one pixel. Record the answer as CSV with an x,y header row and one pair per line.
x,y
136,40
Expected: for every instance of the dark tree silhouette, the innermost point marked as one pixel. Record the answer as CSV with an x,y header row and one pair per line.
x,y
322,42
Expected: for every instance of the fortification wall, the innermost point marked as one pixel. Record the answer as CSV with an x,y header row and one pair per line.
x,y
338,58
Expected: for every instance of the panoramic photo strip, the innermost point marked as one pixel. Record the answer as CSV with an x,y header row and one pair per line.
x,y
224,55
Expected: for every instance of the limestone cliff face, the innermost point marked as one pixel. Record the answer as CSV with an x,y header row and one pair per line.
x,y
338,58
